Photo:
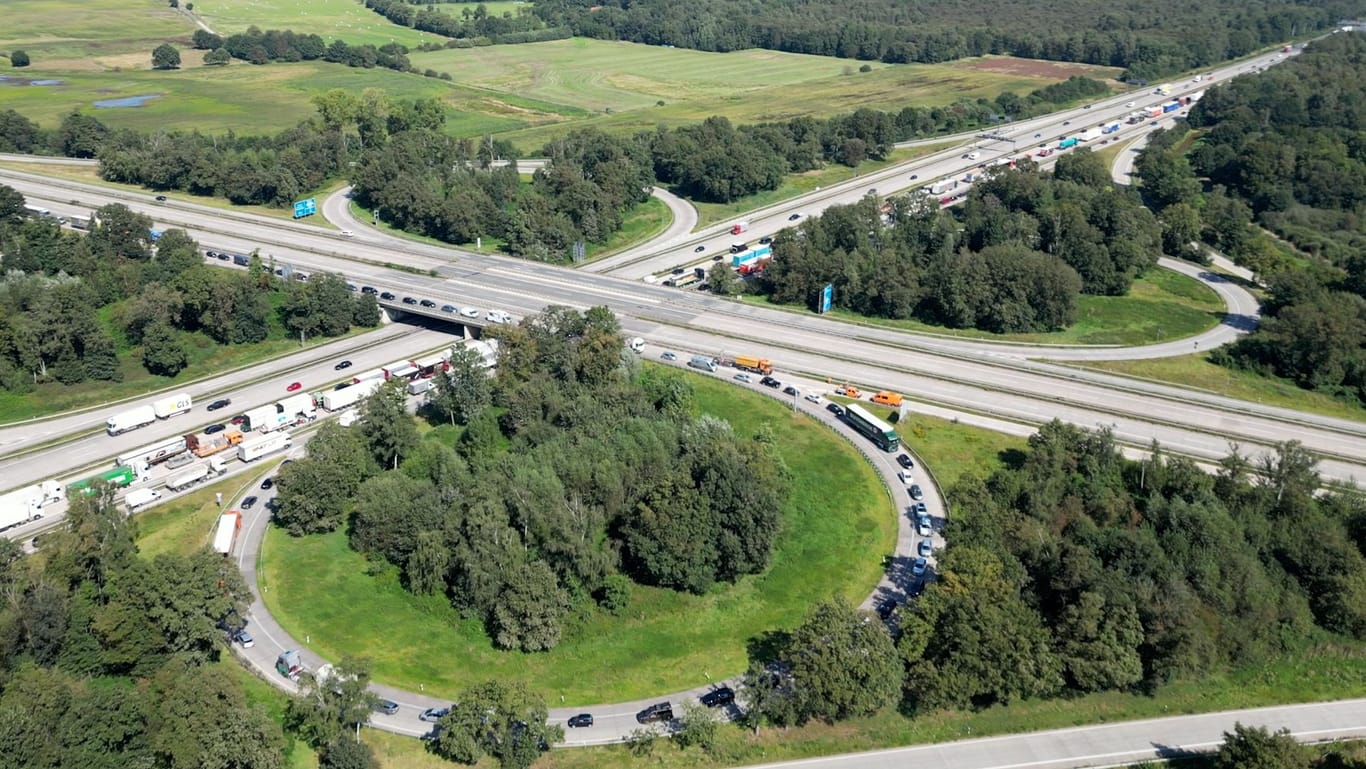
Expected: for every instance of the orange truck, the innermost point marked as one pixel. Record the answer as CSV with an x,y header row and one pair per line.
x,y
205,445
757,365
888,398
849,391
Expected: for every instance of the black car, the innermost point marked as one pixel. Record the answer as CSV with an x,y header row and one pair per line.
x,y
448,308
905,461
211,254
222,257
914,177
161,198
211,429
581,720
387,707
660,711
352,287
268,483
388,296
342,365
794,217
368,290
717,697
699,249
248,503
221,403
678,271
790,390
409,300
916,493
769,381
717,258
434,714
835,408
427,303
765,240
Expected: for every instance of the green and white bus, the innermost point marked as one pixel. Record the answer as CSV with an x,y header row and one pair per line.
x,y
871,427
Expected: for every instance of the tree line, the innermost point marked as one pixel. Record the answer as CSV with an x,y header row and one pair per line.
x,y
260,47
475,26
575,474
1076,570
1014,257
1278,153
73,307
1148,40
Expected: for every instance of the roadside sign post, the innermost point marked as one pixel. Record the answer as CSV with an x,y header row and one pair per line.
x,y
827,298
307,207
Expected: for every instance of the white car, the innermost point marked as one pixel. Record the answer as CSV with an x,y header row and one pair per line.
x,y
497,316
348,234
746,378
813,397
1130,105
922,526
470,312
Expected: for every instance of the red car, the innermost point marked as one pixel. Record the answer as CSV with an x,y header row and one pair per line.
x,y
294,387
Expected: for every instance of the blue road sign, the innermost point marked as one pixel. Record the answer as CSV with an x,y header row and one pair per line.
x,y
827,297
304,208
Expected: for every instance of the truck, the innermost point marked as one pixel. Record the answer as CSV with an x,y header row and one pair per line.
x,y
419,386
264,419
939,188
225,536
117,477
336,400
703,362
1110,129
400,368
139,498
738,246
198,474
1155,111
1085,136
1163,89
887,398
749,363
348,418
762,252
1171,106
680,281
374,374
131,419
259,446
1071,141
1285,49
739,227
26,504
429,365
298,408
172,404
156,453
202,445
636,345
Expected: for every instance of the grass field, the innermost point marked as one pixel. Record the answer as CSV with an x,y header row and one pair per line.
x,y
332,19
94,30
831,544
1196,371
1160,306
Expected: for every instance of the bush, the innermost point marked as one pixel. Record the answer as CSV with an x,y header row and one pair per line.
x,y
18,58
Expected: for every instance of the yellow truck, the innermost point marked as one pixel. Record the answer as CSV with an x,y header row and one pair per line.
x,y
888,398
757,365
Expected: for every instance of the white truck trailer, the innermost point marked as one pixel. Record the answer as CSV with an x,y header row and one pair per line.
x,y
26,504
254,448
336,400
140,498
297,407
172,404
225,536
131,419
265,419
198,474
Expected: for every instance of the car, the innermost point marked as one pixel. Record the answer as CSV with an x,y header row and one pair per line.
x,y
248,503
914,177
387,707
723,695
294,387
221,403
919,510
243,639
161,198
918,566
769,381
448,308
794,217
668,356
222,257
717,258
497,316
409,300
470,312
352,287
790,390
835,408
347,234
1130,105
677,271
342,365
699,249
1088,106
916,492
268,483
580,721
1037,135
813,397
661,711
765,240
433,714
211,253
905,461
925,548
211,429
746,378
1067,122
885,607
428,303
871,191
388,296
302,277
922,526
237,420
369,290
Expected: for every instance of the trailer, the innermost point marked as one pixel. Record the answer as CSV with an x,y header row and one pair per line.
x,y
373,375
1110,129
750,363
256,447
1171,106
739,227
264,419
1068,142
762,252
202,445
298,408
200,473
428,366
131,419
140,498
152,454
419,386
1154,112
118,478
172,404
26,504
336,400
225,536
400,369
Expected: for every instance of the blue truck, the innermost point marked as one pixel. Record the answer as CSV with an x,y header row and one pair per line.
x,y
1068,142
1171,106
1109,129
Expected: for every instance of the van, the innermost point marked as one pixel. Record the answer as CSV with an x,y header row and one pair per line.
x,y
240,260
736,248
888,398
702,362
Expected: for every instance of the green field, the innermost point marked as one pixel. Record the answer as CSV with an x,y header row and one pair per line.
x,y
91,33
332,19
1162,305
831,544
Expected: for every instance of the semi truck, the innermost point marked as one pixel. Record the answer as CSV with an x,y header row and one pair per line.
x,y
264,419
373,375
1071,141
202,445
152,454
431,364
252,449
336,400
1110,129
172,404
225,536
419,386
757,365
140,498
739,227
1171,106
1154,111
298,408
762,252
26,504
401,368
118,478
131,419
198,474
1084,136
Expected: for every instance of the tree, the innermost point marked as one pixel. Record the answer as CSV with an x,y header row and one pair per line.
x,y
842,664
331,702
724,281
388,428
162,351
427,565
698,726
165,56
81,136
506,721
464,390
1253,747
217,57
315,493
529,608
205,40
18,58
344,752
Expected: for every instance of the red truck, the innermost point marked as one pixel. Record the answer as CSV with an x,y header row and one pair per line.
x,y
739,227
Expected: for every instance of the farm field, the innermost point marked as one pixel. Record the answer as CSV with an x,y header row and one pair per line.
x,y
92,34
332,19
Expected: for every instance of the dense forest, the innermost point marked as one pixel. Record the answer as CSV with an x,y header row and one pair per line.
x,y
476,26
1015,257
1077,570
80,307
1148,39
575,472
1281,153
